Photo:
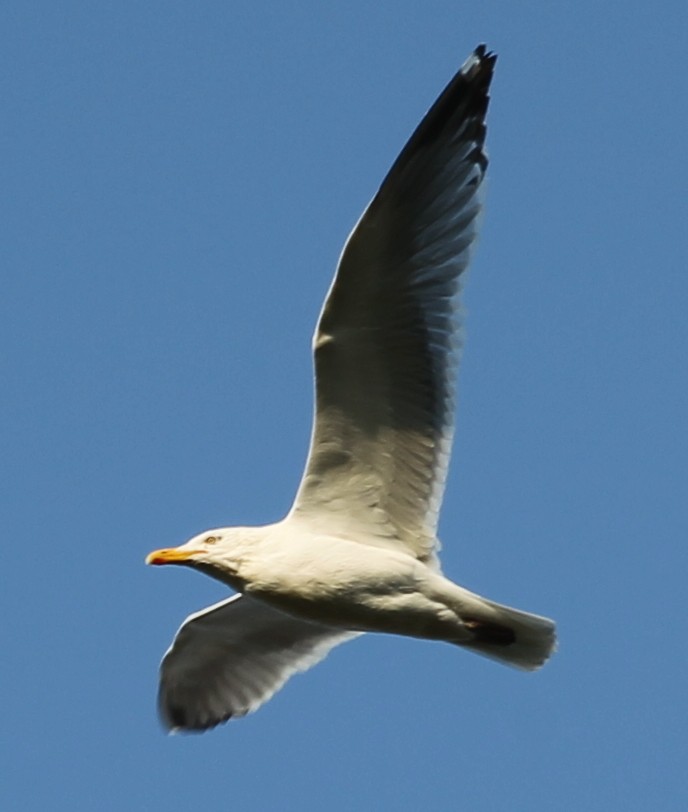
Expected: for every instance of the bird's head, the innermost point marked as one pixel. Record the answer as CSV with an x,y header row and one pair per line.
x,y
213,552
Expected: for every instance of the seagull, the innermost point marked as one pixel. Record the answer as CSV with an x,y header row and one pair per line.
x,y
357,552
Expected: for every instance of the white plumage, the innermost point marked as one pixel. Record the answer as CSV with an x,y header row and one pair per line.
x,y
358,550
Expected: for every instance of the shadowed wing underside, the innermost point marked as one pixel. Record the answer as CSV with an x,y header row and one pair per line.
x,y
386,345
229,659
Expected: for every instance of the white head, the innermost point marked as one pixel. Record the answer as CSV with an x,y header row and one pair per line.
x,y
215,552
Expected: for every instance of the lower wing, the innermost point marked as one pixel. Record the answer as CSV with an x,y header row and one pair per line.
x,y
229,659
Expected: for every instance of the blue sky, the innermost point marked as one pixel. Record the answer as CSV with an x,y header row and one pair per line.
x,y
177,182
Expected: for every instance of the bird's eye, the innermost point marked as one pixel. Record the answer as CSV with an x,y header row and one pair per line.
x,y
211,539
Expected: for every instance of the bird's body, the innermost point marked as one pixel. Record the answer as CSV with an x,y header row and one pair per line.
x,y
355,586
358,550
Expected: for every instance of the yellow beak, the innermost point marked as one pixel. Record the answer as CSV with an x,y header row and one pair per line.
x,y
170,555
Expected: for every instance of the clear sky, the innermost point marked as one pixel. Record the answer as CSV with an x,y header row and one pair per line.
x,y
176,183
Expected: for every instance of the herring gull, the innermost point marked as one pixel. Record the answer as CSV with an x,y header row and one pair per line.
x,y
358,550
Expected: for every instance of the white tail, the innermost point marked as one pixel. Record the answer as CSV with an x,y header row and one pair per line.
x,y
510,636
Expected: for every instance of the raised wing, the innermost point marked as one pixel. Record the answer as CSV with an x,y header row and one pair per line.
x,y
231,658
387,342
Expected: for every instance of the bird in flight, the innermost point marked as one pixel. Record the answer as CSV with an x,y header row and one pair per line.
x,y
357,552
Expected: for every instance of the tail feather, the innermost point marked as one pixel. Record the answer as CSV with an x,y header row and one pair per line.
x,y
510,636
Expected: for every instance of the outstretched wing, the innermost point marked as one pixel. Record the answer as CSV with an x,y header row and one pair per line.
x,y
387,342
231,658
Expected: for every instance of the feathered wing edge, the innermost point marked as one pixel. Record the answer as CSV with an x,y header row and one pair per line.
x,y
386,346
229,659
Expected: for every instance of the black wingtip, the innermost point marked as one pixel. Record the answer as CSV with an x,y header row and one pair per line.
x,y
176,719
462,103
481,52
480,61
178,716
466,96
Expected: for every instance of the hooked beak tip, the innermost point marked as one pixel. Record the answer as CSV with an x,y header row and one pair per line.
x,y
172,555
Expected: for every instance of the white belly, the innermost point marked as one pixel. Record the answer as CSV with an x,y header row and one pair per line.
x,y
355,586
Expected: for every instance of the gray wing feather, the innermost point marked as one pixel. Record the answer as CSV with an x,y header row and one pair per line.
x,y
387,342
231,658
